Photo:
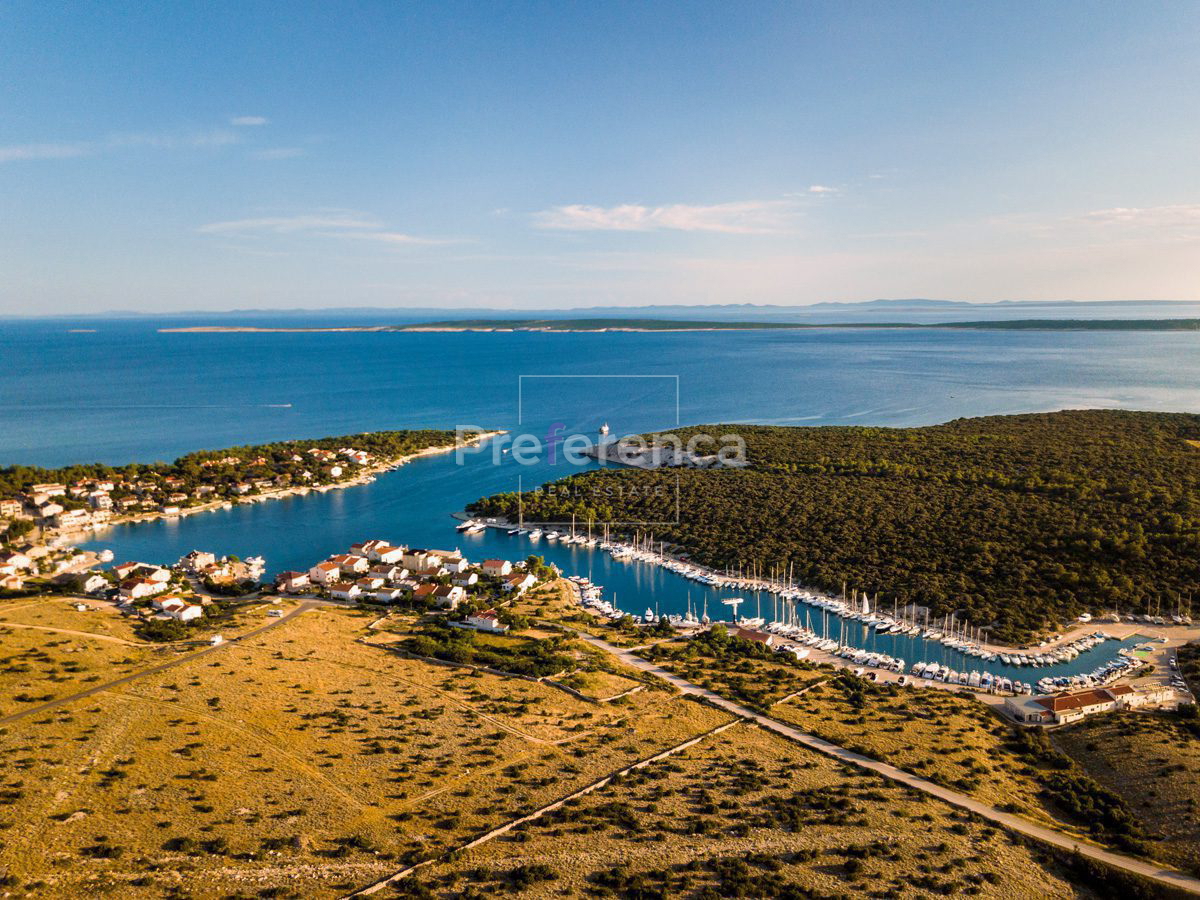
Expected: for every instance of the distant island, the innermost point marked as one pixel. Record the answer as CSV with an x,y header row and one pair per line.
x,y
507,325
668,325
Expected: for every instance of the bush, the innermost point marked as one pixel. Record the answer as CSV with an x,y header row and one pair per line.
x,y
162,630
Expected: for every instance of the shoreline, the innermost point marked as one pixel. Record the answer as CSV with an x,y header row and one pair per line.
x,y
365,476
1068,634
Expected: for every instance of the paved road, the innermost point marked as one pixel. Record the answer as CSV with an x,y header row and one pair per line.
x,y
1013,823
154,670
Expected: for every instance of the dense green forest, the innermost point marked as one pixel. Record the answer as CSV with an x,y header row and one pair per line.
x,y
1018,521
276,459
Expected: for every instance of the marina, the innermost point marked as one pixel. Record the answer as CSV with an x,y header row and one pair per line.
x,y
799,621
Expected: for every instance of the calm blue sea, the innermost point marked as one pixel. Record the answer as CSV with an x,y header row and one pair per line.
x,y
122,391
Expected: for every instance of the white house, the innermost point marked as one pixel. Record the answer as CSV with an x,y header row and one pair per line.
x,y
185,612
486,621
455,564
449,596
325,573
155,573
421,559
496,567
72,518
12,582
390,594
292,582
371,582
125,569
388,572
137,588
1127,697
1062,709
519,582
389,555
465,579
351,564
197,560
344,590
167,600
379,551
16,560
91,583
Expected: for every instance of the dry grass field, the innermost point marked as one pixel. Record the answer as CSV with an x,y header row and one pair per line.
x,y
955,741
48,650
59,613
757,683
951,739
301,762
317,757
746,813
1153,762
556,603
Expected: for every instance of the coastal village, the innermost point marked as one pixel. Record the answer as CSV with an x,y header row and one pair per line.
x,y
202,481
381,572
90,504
370,572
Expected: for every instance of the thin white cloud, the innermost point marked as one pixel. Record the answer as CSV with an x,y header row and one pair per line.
x,y
751,217
191,140
18,152
324,224
397,238
1186,215
116,142
278,153
288,224
822,189
248,120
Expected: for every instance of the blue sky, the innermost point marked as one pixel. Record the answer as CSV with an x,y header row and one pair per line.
x,y
535,155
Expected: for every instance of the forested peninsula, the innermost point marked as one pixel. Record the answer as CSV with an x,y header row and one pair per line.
x,y
1014,522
